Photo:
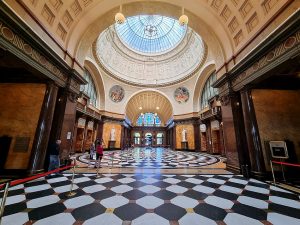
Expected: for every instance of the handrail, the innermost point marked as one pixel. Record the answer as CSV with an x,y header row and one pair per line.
x,y
24,180
287,164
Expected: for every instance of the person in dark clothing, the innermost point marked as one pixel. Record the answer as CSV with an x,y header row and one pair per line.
x,y
54,149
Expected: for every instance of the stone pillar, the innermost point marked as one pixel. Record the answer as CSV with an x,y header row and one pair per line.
x,y
252,135
40,143
234,133
197,135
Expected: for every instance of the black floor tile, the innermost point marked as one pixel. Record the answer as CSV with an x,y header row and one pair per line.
x,y
250,211
195,195
284,195
88,211
13,192
285,210
170,211
136,184
61,183
134,194
103,194
35,183
46,211
210,184
186,184
255,195
210,211
266,186
232,184
225,194
129,211
14,208
162,184
78,192
86,184
39,194
111,184
165,195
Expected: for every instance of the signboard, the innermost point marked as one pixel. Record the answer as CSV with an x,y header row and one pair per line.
x,y
279,149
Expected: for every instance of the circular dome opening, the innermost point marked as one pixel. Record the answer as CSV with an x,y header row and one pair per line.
x,y
151,34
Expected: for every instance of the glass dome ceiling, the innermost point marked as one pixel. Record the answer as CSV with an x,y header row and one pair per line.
x,y
151,34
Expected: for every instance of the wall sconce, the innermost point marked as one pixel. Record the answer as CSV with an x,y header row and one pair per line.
x,y
183,19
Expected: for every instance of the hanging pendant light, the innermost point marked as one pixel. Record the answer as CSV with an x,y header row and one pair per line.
x,y
183,19
119,17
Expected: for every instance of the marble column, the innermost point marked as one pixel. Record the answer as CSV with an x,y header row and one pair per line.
x,y
197,135
252,135
40,143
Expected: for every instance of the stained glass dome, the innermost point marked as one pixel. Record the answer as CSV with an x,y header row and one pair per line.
x,y
151,34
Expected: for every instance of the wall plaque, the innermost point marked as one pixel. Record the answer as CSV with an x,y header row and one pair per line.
x,y
181,95
21,144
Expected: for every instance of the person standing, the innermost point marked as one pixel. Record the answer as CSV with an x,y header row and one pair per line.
x,y
92,151
99,152
54,150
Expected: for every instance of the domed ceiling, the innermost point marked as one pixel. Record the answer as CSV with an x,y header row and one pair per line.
x,y
149,50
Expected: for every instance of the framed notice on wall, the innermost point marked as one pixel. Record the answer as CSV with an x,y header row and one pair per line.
x,y
279,149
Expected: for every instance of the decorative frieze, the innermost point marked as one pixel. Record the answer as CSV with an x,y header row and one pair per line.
x,y
25,47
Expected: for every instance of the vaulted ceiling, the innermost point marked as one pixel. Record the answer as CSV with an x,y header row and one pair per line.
x,y
233,22
149,101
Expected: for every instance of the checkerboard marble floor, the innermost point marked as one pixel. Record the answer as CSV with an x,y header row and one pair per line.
x,y
150,199
151,158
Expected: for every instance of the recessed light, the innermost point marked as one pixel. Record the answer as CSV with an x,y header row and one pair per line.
x,y
157,107
140,107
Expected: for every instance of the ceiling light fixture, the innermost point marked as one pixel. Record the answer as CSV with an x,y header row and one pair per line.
x,y
183,19
140,108
119,17
157,108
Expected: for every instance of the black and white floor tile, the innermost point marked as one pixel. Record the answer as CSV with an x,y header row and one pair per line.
x,y
150,199
151,158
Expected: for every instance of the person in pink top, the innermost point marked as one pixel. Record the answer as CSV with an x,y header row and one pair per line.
x,y
99,152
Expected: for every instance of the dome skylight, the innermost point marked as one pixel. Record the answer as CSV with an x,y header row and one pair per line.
x,y
151,34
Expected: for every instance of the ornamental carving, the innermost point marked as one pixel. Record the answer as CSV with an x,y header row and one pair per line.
x,y
133,68
271,56
116,93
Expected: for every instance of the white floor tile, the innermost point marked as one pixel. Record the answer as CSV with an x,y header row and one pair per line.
x,y
195,219
39,202
65,188
62,218
230,189
78,201
81,179
103,180
14,199
114,202
126,180
104,219
257,189
15,219
237,219
278,189
219,202
216,181
94,188
57,179
150,219
238,181
149,180
203,189
285,201
184,202
150,202
279,219
121,189
37,188
177,189
257,203
149,189
194,181
20,186
172,180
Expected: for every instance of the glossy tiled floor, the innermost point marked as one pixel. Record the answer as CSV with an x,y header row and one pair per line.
x,y
151,199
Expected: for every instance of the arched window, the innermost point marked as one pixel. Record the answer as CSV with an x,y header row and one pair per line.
x,y
89,89
208,91
148,119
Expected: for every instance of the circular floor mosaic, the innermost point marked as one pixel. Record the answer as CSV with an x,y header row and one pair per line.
x,y
151,158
